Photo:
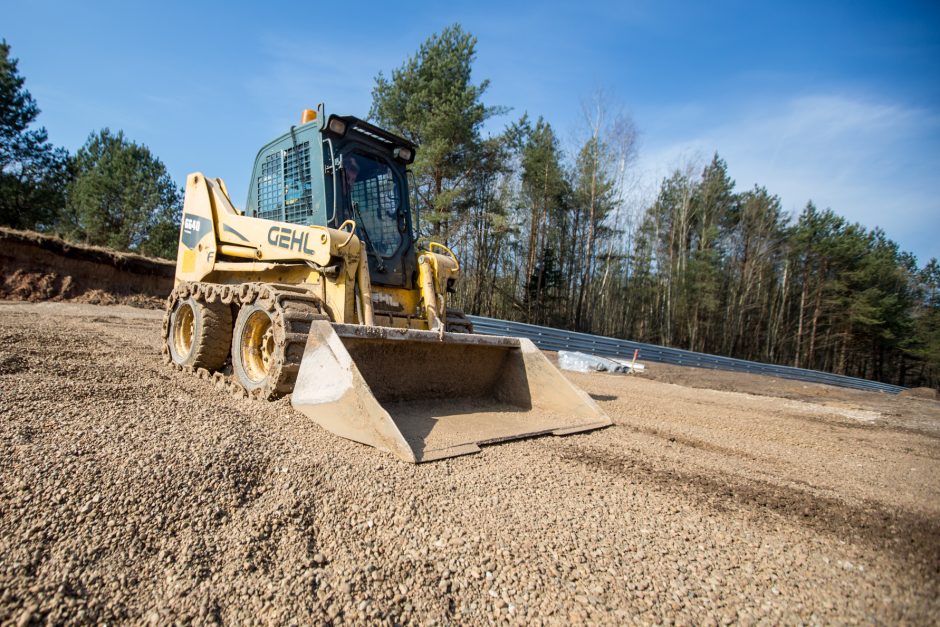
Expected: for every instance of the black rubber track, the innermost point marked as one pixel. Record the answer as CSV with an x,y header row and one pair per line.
x,y
212,332
458,322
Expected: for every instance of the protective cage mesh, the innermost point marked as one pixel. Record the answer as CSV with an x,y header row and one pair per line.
x,y
284,191
377,199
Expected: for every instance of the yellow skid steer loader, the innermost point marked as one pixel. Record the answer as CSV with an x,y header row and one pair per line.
x,y
319,289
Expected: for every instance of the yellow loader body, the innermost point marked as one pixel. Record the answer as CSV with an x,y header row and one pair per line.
x,y
269,308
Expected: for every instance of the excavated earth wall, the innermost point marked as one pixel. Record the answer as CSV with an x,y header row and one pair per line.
x,y
37,267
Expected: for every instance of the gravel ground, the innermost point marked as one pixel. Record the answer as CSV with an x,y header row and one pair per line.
x,y
133,493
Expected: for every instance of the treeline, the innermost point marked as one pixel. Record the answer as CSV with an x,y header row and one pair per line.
x,y
113,192
549,237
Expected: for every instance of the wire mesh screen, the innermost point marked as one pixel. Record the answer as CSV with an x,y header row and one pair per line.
x,y
270,186
377,200
284,190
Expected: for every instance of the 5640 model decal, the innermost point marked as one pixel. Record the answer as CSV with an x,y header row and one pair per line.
x,y
194,229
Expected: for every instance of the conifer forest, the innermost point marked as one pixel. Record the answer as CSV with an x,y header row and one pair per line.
x,y
550,228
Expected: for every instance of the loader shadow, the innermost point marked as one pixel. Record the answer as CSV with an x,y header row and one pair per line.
x,y
603,397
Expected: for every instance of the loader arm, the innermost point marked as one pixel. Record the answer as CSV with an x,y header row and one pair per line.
x,y
219,244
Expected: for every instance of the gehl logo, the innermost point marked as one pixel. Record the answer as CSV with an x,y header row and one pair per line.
x,y
283,237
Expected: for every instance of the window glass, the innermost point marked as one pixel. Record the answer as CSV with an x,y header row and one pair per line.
x,y
375,202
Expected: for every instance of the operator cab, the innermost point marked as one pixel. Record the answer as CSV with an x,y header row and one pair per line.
x,y
372,190
359,174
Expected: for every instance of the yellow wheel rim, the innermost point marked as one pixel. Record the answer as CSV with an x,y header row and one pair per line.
x,y
257,345
184,328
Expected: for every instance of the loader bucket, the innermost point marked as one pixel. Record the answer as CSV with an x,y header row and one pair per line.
x,y
421,397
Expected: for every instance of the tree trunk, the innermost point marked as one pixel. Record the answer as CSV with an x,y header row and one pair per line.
x,y
589,250
799,332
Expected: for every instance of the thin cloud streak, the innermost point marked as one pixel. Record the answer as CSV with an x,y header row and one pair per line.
x,y
872,162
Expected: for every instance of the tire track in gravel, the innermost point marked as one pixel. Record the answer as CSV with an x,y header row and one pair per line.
x,y
912,538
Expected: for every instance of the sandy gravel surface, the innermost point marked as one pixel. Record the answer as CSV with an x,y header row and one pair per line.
x,y
133,493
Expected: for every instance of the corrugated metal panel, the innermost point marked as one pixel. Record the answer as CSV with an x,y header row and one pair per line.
x,y
556,339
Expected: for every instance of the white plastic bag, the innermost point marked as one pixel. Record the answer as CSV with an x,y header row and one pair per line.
x,y
582,362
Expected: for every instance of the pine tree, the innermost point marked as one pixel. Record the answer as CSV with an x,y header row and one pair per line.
x,y
608,149
33,174
754,234
922,347
489,229
431,100
712,204
544,190
122,197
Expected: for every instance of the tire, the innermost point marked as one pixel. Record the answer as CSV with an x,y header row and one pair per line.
x,y
199,334
257,344
269,338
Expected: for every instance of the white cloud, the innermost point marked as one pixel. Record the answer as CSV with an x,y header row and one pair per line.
x,y
872,162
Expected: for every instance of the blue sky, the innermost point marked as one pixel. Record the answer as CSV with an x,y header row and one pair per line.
x,y
838,102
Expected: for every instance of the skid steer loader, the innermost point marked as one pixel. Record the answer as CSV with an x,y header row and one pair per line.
x,y
320,289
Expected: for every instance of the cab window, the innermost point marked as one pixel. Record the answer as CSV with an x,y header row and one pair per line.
x,y
374,196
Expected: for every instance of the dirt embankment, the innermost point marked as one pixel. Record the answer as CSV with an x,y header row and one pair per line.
x,y
39,267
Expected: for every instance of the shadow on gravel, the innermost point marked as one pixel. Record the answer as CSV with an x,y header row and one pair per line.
x,y
911,538
691,443
13,364
603,397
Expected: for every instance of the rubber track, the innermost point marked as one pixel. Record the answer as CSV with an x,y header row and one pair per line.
x,y
292,309
216,331
211,349
458,322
